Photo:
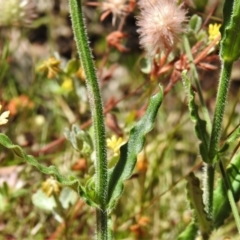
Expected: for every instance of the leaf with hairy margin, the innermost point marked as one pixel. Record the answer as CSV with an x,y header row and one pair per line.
x,y
195,197
129,151
71,181
200,125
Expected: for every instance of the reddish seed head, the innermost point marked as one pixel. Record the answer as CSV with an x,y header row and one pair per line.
x,y
160,24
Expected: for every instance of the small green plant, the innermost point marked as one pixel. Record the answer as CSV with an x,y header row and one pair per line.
x,y
106,186
210,203
211,206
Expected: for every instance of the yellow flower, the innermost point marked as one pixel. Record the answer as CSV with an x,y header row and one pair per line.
x,y
114,144
4,116
80,74
67,84
50,67
51,186
213,31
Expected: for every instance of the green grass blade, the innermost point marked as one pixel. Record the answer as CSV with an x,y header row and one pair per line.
x,y
230,195
221,205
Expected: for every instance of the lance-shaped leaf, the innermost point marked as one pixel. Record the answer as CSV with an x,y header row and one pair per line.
x,y
221,206
71,181
229,46
195,197
129,151
200,125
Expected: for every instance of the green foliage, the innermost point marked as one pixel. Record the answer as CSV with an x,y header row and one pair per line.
x,y
195,33
221,206
72,66
190,232
43,104
195,197
80,140
70,181
230,42
200,125
230,140
128,152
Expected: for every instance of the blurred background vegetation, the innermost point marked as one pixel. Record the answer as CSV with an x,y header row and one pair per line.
x,y
43,86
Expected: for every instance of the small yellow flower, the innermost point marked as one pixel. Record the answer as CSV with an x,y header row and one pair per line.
x,y
80,74
213,31
67,84
114,144
4,116
50,67
51,186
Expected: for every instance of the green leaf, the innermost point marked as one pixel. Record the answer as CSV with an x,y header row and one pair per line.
x,y
80,140
194,32
72,66
231,138
190,232
195,23
195,197
229,45
221,206
200,125
71,181
129,151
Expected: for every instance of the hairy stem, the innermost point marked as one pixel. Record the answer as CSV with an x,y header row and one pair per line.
x,y
216,130
220,108
208,186
97,115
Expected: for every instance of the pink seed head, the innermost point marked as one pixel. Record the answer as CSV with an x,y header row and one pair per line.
x,y
160,24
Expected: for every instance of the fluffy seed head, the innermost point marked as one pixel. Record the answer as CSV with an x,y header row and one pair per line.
x,y
17,12
160,24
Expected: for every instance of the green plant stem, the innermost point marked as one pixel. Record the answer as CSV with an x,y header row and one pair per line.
x,y
208,188
219,110
216,132
97,116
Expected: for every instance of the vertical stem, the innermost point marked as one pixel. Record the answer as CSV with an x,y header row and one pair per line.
x,y
220,108
216,130
208,186
95,99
